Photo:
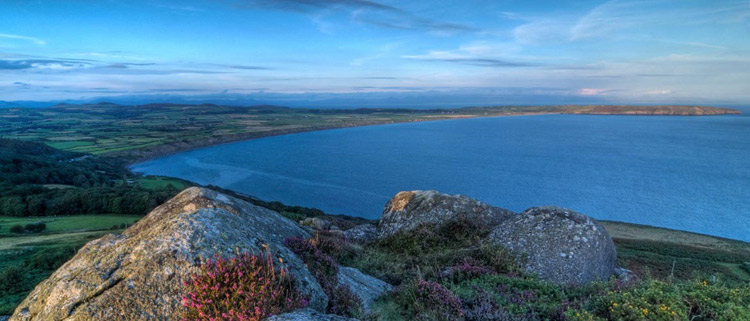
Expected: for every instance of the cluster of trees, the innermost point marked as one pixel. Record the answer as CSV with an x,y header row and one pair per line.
x,y
31,227
90,185
123,199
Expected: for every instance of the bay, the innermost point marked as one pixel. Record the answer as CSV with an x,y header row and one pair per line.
x,y
686,173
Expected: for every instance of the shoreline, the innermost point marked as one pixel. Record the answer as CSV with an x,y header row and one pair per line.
x,y
228,139
138,156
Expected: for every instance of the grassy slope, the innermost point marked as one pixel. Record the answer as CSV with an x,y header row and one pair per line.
x,y
39,254
652,251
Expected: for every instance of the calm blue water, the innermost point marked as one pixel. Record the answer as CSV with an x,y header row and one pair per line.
x,y
688,173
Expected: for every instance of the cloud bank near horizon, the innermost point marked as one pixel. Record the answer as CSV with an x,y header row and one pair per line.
x,y
394,53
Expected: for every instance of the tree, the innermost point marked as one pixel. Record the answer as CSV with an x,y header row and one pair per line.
x,y
17,229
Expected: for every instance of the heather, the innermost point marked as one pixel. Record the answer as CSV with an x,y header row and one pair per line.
x,y
341,300
432,250
244,288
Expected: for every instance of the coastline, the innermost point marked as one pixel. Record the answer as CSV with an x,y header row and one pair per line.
x,y
153,153
133,157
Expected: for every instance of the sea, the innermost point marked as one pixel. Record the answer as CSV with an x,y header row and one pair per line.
x,y
685,173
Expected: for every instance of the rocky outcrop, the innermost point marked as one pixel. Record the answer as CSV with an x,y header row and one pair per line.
x,y
316,223
408,210
364,233
138,275
559,245
307,315
366,287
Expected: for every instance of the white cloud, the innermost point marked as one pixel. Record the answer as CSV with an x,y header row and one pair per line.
x,y
36,41
592,92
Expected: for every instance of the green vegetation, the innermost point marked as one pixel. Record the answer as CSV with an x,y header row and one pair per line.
x,y
27,259
37,180
66,224
654,251
428,251
446,273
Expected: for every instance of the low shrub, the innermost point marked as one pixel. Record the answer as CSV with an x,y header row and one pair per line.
x,y
35,227
708,301
245,287
484,307
10,278
746,266
51,258
17,229
324,268
335,246
429,250
425,300
656,300
464,271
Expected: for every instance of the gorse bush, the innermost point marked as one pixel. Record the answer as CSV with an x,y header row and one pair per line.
x,y
324,268
243,288
17,229
656,300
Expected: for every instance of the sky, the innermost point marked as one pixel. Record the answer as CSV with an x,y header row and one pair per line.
x,y
377,52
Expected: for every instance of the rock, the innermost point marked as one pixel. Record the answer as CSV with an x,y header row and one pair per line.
x,y
364,286
364,233
559,245
316,223
138,275
408,210
307,315
625,275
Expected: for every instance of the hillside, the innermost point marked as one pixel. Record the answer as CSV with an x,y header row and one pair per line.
x,y
432,256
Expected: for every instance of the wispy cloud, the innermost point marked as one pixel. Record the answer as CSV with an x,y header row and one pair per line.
x,y
41,64
482,54
36,41
363,11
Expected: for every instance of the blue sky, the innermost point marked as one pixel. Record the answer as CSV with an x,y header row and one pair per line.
x,y
393,52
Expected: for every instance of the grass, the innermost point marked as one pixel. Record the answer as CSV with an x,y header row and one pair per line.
x,y
65,224
653,251
160,182
38,255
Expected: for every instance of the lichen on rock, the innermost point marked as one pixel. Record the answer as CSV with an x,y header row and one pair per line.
x,y
408,210
558,245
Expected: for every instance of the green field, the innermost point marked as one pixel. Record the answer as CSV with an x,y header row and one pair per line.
x,y
65,224
159,182
27,259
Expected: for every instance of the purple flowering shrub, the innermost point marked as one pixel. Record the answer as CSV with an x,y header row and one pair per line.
x,y
243,288
464,271
426,300
324,268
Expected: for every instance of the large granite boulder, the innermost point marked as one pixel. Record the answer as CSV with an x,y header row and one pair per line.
x,y
364,233
366,287
138,275
559,245
408,210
